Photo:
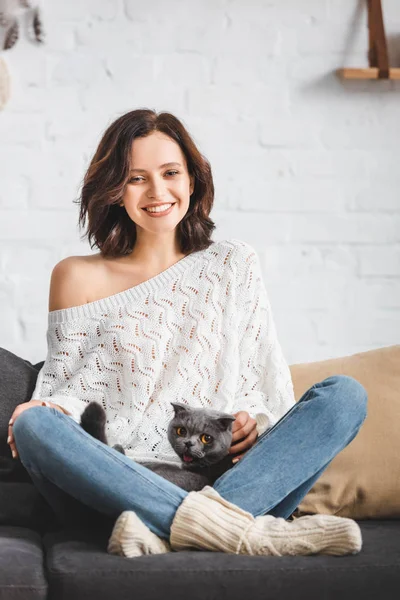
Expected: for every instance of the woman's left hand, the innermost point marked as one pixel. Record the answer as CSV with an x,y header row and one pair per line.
x,y
244,434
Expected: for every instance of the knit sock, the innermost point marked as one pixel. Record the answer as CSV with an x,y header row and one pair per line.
x,y
131,537
206,521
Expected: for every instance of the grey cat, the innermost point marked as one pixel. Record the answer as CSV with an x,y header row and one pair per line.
x,y
200,437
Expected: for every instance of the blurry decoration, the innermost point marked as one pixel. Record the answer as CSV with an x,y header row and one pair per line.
x,y
12,35
37,26
10,10
4,83
378,53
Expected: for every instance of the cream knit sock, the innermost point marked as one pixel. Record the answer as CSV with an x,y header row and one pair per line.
x,y
131,537
207,521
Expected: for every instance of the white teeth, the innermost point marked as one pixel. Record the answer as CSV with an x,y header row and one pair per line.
x,y
159,208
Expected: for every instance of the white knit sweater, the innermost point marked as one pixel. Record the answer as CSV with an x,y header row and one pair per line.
x,y
201,333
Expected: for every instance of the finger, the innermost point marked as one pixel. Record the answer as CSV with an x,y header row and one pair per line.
x,y
12,445
13,449
10,438
244,431
247,443
241,419
237,458
238,447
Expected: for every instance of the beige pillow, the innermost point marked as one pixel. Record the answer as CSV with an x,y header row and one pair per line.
x,y
363,480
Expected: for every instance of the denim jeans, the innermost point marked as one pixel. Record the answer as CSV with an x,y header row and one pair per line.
x,y
70,468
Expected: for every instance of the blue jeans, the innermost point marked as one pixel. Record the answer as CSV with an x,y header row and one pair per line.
x,y
70,468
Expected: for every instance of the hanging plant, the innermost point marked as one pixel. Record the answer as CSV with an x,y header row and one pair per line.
x,y
9,12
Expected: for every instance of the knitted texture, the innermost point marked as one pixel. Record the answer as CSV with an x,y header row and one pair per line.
x,y
131,537
201,333
206,521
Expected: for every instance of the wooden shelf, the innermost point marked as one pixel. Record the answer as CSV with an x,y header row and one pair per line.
x,y
367,73
378,58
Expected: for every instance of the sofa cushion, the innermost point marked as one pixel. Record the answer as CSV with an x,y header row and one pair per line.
x,y
363,480
17,383
20,502
22,572
22,505
79,567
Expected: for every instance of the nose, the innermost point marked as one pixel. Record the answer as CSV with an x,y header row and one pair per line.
x,y
188,444
156,190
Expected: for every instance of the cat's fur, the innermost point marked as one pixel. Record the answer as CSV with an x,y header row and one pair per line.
x,y
202,463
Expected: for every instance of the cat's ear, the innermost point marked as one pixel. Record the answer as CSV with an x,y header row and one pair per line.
x,y
225,422
179,408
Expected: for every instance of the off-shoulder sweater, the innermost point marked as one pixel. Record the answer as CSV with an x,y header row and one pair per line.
x,y
200,332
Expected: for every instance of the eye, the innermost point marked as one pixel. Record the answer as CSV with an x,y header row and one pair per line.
x,y
180,431
205,438
135,179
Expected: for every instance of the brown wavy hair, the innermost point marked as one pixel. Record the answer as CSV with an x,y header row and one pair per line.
x,y
109,226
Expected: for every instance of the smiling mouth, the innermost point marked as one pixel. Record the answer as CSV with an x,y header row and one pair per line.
x,y
161,211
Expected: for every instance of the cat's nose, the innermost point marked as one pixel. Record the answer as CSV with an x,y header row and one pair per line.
x,y
188,444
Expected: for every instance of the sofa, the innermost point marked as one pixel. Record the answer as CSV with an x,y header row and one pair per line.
x,y
40,558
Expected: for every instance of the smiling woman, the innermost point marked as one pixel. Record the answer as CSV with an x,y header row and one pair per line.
x,y
148,192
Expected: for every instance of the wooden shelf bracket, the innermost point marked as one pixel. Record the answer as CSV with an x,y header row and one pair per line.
x,y
377,53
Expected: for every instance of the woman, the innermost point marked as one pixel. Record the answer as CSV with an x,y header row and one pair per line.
x,y
163,313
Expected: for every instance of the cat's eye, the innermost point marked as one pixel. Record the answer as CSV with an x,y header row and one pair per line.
x,y
205,438
180,430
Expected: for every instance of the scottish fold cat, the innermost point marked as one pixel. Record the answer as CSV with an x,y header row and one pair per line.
x,y
200,437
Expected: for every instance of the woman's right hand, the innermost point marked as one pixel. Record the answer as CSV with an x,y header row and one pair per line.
x,y
18,410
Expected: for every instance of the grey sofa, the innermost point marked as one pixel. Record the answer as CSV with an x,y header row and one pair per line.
x,y
40,559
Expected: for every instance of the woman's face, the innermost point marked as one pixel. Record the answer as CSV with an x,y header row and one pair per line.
x,y
151,183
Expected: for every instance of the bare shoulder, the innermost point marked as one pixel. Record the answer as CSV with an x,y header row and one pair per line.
x,y
70,281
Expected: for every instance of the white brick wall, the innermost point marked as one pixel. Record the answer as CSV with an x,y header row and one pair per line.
x,y
306,166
